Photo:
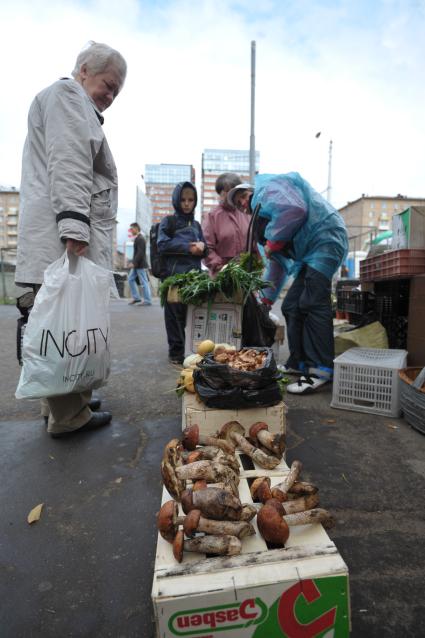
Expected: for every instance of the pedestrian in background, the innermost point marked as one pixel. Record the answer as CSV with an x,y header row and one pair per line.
x,y
139,269
225,227
69,194
304,236
182,245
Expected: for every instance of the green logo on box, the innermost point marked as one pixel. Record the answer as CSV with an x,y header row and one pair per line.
x,y
222,617
309,609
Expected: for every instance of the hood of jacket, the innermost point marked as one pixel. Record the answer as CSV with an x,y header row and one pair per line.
x,y
177,196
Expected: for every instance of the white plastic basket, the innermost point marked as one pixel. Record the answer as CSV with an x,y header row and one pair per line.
x,y
366,380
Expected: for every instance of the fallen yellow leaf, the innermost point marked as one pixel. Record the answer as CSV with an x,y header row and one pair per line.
x,y
118,480
35,513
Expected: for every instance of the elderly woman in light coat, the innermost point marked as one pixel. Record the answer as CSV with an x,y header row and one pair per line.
x,y
69,193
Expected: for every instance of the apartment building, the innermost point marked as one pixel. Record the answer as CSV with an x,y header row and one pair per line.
x,y
9,209
160,180
368,216
217,161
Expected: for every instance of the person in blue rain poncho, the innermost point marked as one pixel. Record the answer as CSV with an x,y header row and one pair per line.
x,y
303,236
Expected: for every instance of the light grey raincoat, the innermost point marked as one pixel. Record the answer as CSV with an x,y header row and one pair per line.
x,y
69,182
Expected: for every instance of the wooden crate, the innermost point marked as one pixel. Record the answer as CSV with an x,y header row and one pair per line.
x,y
211,419
262,593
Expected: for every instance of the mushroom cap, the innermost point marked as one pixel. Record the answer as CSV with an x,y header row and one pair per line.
x,y
191,522
178,545
172,452
256,428
229,428
260,489
174,485
191,437
271,526
273,502
167,521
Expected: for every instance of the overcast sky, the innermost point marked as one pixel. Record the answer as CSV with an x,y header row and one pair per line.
x,y
353,70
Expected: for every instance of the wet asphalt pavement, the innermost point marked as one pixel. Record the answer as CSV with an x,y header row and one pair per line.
x,y
85,569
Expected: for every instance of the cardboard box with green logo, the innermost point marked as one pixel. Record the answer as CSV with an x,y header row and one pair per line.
x,y
299,591
409,228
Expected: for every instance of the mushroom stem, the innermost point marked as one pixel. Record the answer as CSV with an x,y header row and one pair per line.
x,y
207,470
301,504
214,503
224,545
273,442
194,522
280,491
317,515
302,488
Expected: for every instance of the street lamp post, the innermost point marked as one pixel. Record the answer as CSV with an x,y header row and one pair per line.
x,y
252,136
328,190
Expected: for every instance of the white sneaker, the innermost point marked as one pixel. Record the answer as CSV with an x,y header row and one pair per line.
x,y
306,385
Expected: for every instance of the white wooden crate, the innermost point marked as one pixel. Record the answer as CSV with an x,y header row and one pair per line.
x,y
210,420
261,593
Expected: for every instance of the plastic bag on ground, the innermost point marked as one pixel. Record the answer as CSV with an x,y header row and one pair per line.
x,y
66,341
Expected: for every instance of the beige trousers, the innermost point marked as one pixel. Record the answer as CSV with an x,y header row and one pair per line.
x,y
67,412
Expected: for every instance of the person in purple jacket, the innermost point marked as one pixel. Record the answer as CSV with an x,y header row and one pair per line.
x,y
225,228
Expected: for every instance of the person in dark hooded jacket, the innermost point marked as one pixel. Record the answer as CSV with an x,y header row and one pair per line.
x,y
182,245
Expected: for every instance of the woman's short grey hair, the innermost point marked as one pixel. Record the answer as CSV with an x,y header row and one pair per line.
x,y
226,181
98,57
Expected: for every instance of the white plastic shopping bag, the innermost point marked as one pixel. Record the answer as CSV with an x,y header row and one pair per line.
x,y
66,341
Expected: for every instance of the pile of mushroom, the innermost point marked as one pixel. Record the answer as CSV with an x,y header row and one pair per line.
x,y
201,474
246,359
290,503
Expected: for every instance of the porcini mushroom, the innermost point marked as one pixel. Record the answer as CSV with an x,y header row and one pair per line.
x,y
168,521
194,522
214,503
259,432
223,545
260,489
192,438
271,526
173,484
280,491
234,432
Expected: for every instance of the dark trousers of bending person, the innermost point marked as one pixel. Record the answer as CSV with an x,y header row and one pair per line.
x,y
307,310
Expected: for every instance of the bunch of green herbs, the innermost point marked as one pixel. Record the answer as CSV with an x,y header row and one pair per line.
x,y
197,287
